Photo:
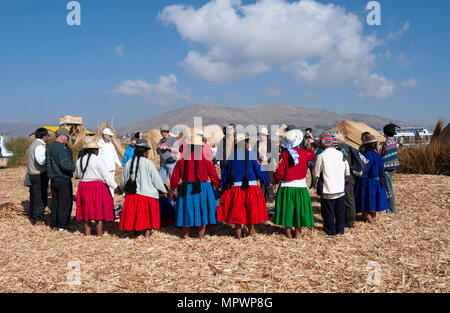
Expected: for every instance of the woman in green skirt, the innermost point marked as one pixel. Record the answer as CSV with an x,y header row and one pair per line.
x,y
293,206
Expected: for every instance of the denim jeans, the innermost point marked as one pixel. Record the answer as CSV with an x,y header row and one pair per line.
x,y
164,170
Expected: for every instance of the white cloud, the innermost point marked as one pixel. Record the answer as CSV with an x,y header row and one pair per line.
x,y
396,35
318,44
376,87
409,83
405,61
119,50
163,93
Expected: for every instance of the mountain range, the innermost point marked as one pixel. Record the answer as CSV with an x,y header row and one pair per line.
x,y
265,114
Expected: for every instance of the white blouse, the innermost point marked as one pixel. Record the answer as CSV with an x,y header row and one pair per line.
x,y
97,170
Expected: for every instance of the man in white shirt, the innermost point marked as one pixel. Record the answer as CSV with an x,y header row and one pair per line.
x,y
331,169
38,179
109,154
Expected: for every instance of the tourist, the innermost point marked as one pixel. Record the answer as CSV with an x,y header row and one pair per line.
x,y
141,183
38,178
242,201
94,201
293,206
370,190
167,149
350,210
309,137
129,152
60,169
109,154
331,169
196,202
389,153
265,149
226,145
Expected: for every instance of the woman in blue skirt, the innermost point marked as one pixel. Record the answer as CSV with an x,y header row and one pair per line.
x,y
370,191
196,201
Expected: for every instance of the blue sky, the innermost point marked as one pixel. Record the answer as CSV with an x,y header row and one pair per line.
x,y
129,62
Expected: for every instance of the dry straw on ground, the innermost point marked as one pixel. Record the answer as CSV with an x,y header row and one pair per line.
x,y
411,248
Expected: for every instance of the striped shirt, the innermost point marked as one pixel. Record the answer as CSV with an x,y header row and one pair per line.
x,y
389,152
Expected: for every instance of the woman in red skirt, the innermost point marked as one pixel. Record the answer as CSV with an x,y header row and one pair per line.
x,y
94,200
243,201
141,183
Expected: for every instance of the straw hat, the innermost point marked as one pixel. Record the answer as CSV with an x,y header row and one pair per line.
x,y
196,139
294,137
264,131
91,145
241,137
369,138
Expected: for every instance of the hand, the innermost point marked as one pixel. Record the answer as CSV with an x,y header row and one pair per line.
x,y
167,194
270,186
309,142
118,191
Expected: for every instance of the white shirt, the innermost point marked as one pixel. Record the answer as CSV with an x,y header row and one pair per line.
x,y
334,168
39,153
109,155
96,171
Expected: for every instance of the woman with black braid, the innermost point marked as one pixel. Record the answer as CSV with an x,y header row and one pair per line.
x,y
94,200
196,202
243,201
141,183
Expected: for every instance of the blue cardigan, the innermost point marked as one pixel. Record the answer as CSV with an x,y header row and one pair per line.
x,y
375,165
253,171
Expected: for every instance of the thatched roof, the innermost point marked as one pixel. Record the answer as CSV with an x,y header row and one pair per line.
x,y
352,132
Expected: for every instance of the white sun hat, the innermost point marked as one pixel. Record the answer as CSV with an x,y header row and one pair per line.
x,y
108,131
293,137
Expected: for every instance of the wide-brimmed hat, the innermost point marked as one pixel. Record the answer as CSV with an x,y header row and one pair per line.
x,y
91,145
164,128
107,131
241,137
197,138
264,131
293,137
142,143
62,131
369,138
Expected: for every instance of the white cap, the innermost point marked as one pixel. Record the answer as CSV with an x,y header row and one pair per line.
x,y
199,132
108,131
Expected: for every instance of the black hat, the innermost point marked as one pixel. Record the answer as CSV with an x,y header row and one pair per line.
x,y
142,143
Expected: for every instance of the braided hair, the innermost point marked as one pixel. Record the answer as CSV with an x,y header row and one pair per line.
x,y
245,182
88,153
138,154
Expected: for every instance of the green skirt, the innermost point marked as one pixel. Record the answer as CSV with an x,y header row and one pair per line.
x,y
294,208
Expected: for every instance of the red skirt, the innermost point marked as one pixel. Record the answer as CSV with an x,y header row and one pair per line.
x,y
140,213
242,206
94,202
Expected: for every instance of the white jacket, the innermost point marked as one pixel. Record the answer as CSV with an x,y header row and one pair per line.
x,y
109,155
334,168
96,171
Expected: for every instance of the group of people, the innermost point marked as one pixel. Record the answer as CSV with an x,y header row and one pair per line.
x,y
348,181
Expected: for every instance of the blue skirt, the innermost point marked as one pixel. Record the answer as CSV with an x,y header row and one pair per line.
x,y
197,209
370,196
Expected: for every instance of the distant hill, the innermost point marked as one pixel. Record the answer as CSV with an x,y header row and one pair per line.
x,y
17,128
265,114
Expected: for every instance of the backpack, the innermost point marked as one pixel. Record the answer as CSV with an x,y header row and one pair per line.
x,y
358,163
